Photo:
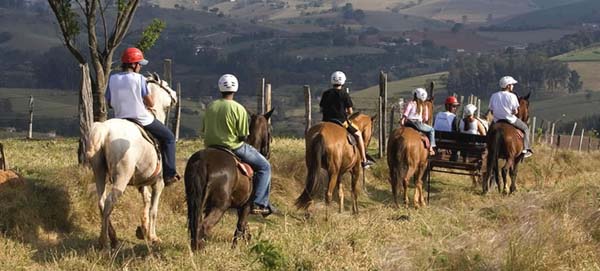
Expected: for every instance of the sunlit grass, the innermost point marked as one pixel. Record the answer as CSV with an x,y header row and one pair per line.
x,y
551,223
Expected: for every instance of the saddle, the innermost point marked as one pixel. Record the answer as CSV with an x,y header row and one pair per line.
x,y
520,133
350,137
150,139
424,138
245,168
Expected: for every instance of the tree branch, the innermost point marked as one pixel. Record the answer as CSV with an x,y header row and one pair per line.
x,y
67,33
102,10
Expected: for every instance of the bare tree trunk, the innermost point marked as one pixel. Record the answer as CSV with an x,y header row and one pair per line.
x,y
85,112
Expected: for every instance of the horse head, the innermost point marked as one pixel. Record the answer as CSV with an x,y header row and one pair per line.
x,y
523,113
162,94
260,133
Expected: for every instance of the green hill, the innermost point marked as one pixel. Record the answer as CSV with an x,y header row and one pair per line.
x,y
587,63
565,15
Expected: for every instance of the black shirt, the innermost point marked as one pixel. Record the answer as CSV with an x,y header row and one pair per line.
x,y
334,103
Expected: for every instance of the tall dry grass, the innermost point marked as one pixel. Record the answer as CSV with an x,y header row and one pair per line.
x,y
551,223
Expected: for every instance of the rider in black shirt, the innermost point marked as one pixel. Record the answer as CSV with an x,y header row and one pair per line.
x,y
336,105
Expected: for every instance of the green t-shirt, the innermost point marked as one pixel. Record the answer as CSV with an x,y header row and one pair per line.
x,y
225,121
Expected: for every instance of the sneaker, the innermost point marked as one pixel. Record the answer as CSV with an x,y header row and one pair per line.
x,y
169,181
527,154
367,164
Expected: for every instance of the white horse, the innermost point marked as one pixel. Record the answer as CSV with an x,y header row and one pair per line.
x,y
119,154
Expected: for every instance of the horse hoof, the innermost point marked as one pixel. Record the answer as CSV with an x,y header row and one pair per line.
x,y
139,233
155,241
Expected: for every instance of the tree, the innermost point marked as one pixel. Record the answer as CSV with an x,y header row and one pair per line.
x,y
114,25
575,83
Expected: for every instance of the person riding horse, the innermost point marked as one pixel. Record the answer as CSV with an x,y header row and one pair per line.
x,y
504,106
415,115
446,121
128,95
336,105
226,125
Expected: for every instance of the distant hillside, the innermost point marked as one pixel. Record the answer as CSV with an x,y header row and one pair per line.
x,y
587,11
587,63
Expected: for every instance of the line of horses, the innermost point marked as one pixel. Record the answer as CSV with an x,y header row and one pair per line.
x,y
121,155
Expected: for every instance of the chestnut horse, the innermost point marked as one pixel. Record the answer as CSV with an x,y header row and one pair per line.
x,y
407,156
327,148
214,183
506,142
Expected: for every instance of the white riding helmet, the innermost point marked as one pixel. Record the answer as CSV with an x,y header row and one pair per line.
x,y
421,93
228,83
507,80
338,78
470,109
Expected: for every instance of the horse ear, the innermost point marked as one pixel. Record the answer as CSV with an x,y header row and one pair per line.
x,y
156,77
527,96
373,118
268,114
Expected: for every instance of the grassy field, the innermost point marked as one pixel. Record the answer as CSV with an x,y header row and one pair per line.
x,y
587,63
552,223
591,53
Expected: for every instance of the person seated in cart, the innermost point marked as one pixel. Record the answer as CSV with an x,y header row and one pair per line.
x,y
446,121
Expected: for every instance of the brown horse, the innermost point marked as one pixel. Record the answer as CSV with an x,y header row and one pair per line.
x,y
214,183
327,148
407,156
506,141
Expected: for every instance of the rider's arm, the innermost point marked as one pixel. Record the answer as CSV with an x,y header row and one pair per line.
x,y
148,101
480,128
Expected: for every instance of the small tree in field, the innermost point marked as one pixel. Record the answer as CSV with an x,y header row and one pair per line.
x,y
114,18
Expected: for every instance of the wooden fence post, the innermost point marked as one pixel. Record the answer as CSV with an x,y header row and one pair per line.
x,y
168,77
581,140
382,112
552,134
558,142
177,119
86,112
30,133
260,106
572,134
478,108
307,108
268,99
589,147
3,160
532,134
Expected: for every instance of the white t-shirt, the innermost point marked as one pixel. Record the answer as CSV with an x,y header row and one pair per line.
x,y
125,94
443,121
502,104
473,129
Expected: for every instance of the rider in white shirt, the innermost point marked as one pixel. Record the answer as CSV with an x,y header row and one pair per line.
x,y
446,121
128,95
504,105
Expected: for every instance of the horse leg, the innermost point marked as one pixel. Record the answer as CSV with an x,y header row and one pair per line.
x,y
355,176
394,183
241,230
102,197
505,177
409,173
419,195
142,231
333,177
121,177
513,178
341,193
214,215
157,188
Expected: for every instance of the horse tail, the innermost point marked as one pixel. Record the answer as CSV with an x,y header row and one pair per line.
x,y
493,154
314,156
95,139
196,184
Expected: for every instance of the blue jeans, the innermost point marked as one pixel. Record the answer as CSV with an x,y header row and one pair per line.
x,y
166,140
419,125
262,177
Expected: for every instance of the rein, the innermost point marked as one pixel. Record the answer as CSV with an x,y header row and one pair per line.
x,y
159,83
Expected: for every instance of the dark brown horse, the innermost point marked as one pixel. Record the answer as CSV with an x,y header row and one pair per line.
x,y
506,142
407,156
214,183
327,148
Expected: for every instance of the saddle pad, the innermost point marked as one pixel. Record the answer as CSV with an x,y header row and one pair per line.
x,y
245,169
148,137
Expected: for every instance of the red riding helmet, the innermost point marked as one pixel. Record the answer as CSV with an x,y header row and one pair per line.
x,y
133,55
451,100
